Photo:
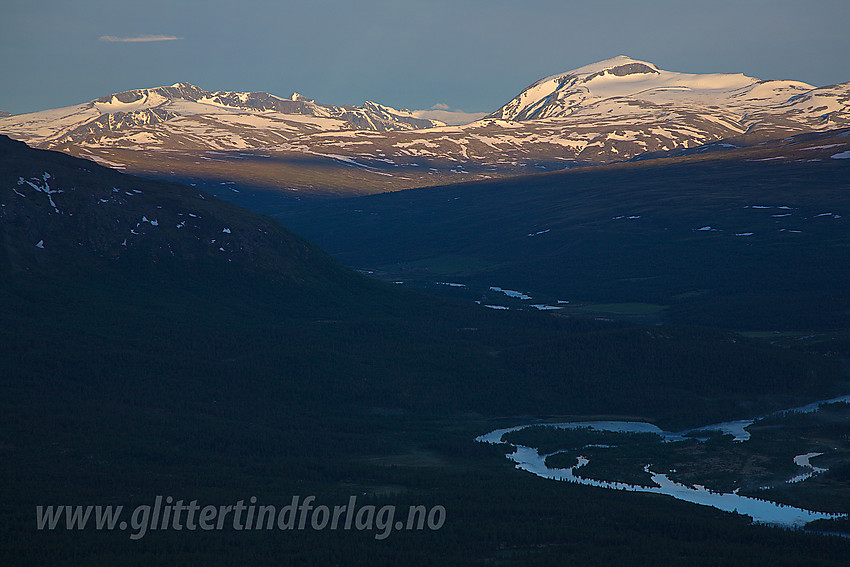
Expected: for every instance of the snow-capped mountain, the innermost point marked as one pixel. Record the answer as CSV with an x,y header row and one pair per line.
x,y
637,94
614,110
619,109
622,79
186,116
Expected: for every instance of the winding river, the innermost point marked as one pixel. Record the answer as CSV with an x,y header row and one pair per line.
x,y
762,511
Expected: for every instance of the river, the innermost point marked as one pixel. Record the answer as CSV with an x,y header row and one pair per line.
x,y
762,511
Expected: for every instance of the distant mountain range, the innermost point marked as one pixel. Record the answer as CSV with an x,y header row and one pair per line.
x,y
614,110
183,115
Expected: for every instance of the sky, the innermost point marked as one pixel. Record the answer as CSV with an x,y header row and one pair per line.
x,y
470,55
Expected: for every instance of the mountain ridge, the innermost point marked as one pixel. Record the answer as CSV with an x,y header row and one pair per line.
x,y
59,214
96,121
614,110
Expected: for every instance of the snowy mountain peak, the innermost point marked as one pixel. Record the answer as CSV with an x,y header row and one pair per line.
x,y
642,84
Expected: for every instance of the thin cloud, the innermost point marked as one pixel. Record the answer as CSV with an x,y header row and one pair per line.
x,y
138,38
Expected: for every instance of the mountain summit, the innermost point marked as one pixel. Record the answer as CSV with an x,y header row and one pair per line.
x,y
644,84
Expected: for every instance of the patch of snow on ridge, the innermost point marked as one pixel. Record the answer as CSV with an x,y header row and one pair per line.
x,y
41,185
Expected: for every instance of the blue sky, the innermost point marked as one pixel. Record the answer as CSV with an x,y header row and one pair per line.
x,y
473,55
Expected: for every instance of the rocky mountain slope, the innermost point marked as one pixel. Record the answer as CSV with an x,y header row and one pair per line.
x,y
60,215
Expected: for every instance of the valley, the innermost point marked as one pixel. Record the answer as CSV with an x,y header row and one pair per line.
x,y
617,247
718,240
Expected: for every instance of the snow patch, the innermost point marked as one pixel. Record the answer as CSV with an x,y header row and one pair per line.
x,y
36,183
